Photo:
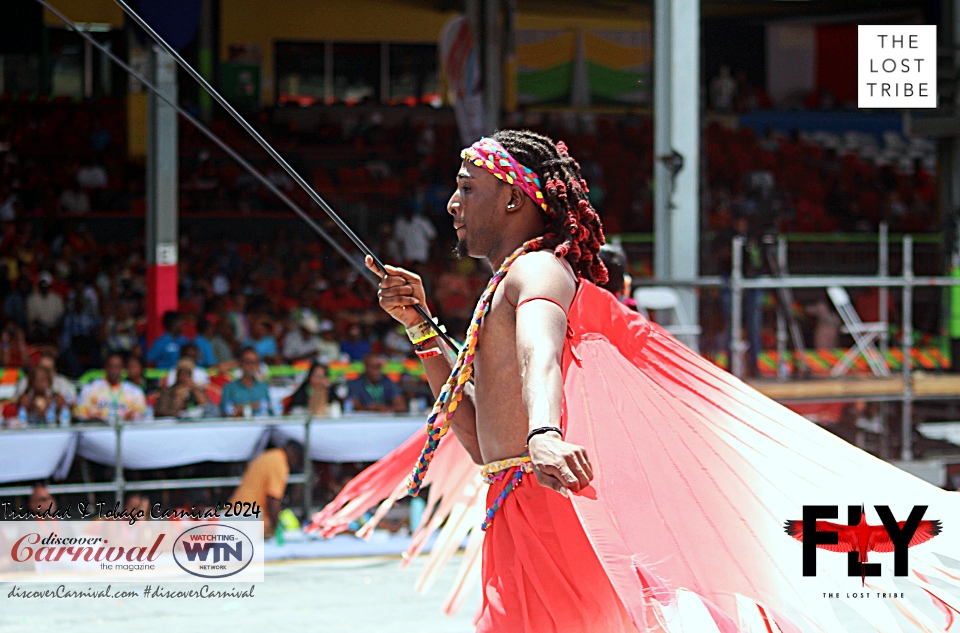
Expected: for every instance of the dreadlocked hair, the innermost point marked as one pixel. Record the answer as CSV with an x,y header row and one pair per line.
x,y
572,227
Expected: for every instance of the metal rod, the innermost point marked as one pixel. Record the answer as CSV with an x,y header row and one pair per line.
x,y
80,428
104,486
209,482
118,479
883,270
85,476
783,371
822,281
253,171
150,484
736,308
883,314
307,467
275,155
805,281
906,429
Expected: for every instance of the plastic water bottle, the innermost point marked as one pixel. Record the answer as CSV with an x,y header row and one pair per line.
x,y
334,410
112,415
783,369
348,405
264,410
65,416
148,416
22,416
52,414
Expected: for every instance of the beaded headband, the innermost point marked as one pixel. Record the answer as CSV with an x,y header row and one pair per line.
x,y
491,155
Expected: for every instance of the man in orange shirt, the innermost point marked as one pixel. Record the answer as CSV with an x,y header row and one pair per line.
x,y
265,480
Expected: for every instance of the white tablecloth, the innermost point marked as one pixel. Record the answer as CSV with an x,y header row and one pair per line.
x,y
41,454
352,439
946,431
166,447
27,455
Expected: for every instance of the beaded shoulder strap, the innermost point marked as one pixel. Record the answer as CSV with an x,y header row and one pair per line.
x,y
452,392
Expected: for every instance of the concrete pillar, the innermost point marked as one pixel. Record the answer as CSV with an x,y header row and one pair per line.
x,y
677,145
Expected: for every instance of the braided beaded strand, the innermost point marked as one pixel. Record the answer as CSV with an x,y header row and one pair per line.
x,y
452,392
495,472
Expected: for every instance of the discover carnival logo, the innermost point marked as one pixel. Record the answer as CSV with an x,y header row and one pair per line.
x,y
118,551
213,551
51,548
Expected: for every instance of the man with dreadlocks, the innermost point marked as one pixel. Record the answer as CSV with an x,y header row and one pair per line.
x,y
660,483
540,242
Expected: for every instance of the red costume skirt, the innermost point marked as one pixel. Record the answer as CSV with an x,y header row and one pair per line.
x,y
540,573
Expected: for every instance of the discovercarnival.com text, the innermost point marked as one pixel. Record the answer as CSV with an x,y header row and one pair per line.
x,y
149,591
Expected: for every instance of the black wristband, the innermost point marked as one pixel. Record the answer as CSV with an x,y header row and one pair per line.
x,y
543,429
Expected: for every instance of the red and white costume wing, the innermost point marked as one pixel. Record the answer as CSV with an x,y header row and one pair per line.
x,y
695,474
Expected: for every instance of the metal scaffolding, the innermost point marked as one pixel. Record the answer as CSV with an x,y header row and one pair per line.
x,y
906,281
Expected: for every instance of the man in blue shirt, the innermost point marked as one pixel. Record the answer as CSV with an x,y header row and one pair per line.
x,y
248,391
262,341
355,346
204,347
373,391
165,351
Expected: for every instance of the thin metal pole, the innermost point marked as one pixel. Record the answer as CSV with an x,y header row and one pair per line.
x,y
307,469
801,281
263,180
275,155
781,317
884,294
736,308
883,314
906,450
118,478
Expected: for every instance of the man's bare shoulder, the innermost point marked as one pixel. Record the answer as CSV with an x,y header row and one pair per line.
x,y
540,273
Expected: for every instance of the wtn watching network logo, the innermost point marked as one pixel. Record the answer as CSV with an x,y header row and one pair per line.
x,y
211,551
858,538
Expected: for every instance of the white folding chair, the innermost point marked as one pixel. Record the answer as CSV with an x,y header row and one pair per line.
x,y
864,336
662,298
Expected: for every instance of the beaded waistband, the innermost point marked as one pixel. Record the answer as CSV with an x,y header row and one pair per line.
x,y
495,471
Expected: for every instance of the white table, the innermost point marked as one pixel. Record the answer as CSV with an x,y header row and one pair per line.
x,y
166,446
354,438
31,454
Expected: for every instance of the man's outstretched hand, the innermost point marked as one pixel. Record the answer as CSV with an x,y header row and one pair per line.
x,y
399,289
558,464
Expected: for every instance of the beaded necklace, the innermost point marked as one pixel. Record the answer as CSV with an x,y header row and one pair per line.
x,y
452,392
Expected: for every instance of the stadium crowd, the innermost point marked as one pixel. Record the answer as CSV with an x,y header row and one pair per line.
x,y
72,303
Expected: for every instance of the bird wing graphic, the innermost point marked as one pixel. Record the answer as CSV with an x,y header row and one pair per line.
x,y
881,542
846,538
